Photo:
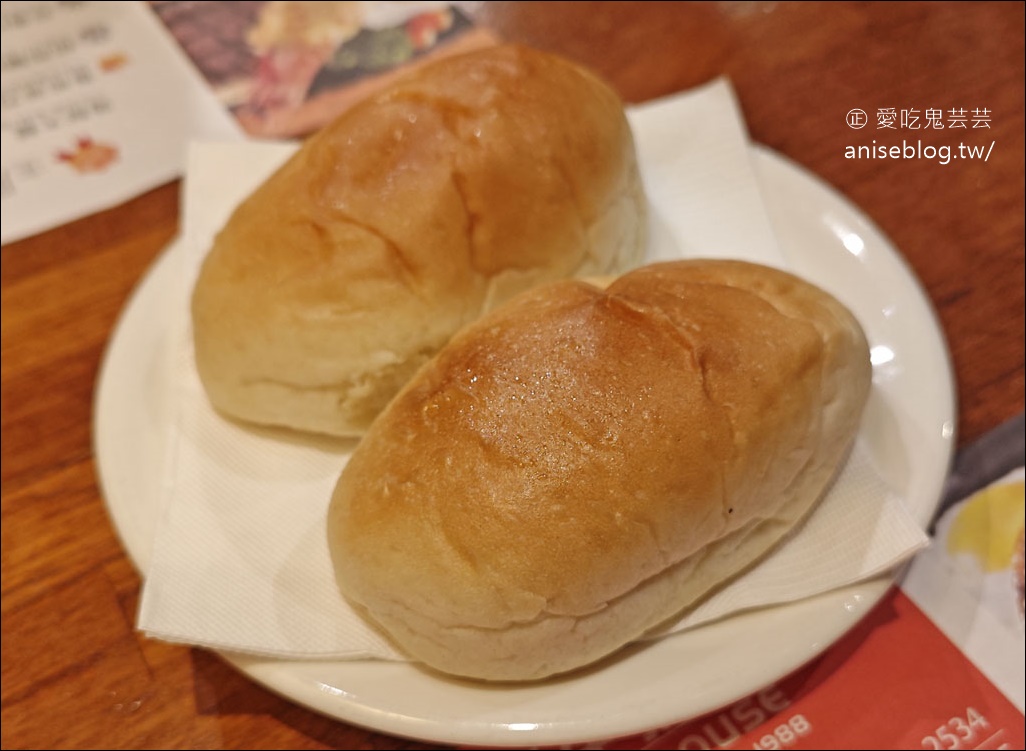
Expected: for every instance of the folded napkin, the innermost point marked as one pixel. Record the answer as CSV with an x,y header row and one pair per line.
x,y
240,559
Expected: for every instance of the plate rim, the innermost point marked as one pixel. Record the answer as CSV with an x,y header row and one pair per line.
x,y
275,676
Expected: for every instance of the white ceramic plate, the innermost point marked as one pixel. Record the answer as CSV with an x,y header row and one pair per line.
x,y
909,427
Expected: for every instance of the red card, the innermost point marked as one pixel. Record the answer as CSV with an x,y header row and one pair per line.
x,y
895,681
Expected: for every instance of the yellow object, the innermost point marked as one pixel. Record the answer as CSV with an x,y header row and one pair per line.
x,y
988,525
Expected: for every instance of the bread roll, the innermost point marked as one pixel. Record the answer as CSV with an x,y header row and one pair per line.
x,y
469,180
582,464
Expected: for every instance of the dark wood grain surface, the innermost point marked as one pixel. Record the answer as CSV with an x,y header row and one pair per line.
x,y
75,673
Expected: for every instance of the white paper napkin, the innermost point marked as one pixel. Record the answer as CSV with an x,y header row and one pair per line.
x,y
240,559
704,199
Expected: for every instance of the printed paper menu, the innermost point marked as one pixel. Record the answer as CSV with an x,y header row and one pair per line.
x,y
100,98
284,69
97,105
894,682
938,664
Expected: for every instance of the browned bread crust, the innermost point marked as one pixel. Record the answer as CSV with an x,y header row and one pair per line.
x,y
581,464
463,183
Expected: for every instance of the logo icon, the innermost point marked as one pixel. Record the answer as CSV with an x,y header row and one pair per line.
x,y
857,119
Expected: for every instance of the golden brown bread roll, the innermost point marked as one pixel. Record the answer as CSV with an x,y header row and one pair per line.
x,y
581,464
407,217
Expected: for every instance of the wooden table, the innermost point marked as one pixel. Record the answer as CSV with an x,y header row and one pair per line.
x,y
76,674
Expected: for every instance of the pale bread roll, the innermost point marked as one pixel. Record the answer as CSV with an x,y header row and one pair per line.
x,y
581,464
472,179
